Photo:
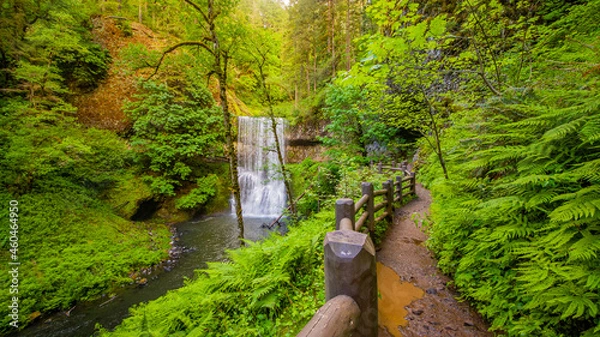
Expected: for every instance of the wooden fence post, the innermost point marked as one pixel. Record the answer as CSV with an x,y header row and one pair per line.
x,y
350,269
413,182
399,189
380,167
389,187
367,188
344,208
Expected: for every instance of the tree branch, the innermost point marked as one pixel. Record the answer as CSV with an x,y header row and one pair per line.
x,y
173,48
196,7
482,70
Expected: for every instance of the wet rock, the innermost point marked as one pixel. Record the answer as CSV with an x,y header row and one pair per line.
x,y
431,291
469,323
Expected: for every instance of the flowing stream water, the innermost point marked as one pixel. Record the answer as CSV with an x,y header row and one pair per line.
x,y
201,240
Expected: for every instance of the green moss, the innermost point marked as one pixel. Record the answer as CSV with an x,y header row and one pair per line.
x,y
220,201
126,195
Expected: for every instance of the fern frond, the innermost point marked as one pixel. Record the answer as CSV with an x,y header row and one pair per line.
x,y
562,131
587,248
593,280
541,198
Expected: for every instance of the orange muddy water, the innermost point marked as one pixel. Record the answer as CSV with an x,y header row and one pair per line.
x,y
394,296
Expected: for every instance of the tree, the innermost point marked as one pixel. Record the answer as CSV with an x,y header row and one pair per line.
x,y
262,51
321,35
404,74
174,128
218,38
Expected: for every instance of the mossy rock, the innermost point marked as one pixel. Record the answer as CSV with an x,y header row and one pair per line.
x,y
127,195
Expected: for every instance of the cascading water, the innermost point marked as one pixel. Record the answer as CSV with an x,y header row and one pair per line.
x,y
261,182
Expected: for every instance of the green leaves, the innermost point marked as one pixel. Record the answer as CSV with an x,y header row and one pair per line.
x,y
199,195
519,227
173,130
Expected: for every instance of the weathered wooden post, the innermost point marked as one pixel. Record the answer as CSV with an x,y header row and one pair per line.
x,y
394,163
380,168
413,182
367,188
399,189
389,195
344,209
350,269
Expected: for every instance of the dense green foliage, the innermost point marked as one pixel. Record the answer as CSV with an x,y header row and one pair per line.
x,y
59,171
264,290
172,134
505,98
518,223
503,95
78,187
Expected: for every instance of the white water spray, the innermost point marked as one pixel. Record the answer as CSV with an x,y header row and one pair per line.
x,y
261,182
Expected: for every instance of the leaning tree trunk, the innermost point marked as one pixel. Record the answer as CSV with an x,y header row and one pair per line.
x,y
231,152
284,172
221,72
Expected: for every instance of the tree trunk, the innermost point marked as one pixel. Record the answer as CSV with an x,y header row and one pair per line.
x,y
296,97
284,173
348,35
438,144
221,70
315,72
332,34
308,76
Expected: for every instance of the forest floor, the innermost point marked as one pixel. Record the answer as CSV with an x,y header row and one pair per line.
x,y
421,302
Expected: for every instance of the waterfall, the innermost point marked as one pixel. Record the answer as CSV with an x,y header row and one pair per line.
x,y
261,182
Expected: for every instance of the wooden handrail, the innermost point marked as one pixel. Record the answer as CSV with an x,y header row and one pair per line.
x,y
361,221
379,206
346,223
382,216
350,270
379,192
336,318
361,202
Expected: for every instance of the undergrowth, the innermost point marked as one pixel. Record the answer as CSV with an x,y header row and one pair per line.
x,y
518,223
270,288
72,244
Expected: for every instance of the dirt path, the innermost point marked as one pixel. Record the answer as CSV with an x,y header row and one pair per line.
x,y
437,312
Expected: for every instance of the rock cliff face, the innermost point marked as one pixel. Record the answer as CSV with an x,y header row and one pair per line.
x,y
301,142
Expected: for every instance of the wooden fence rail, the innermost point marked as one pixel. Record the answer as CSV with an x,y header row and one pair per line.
x,y
350,264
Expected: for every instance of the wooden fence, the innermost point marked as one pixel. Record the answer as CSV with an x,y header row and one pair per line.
x,y
350,263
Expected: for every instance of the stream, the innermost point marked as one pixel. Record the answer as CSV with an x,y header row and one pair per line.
x,y
202,240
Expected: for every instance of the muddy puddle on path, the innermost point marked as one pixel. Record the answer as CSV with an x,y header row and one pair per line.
x,y
394,296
